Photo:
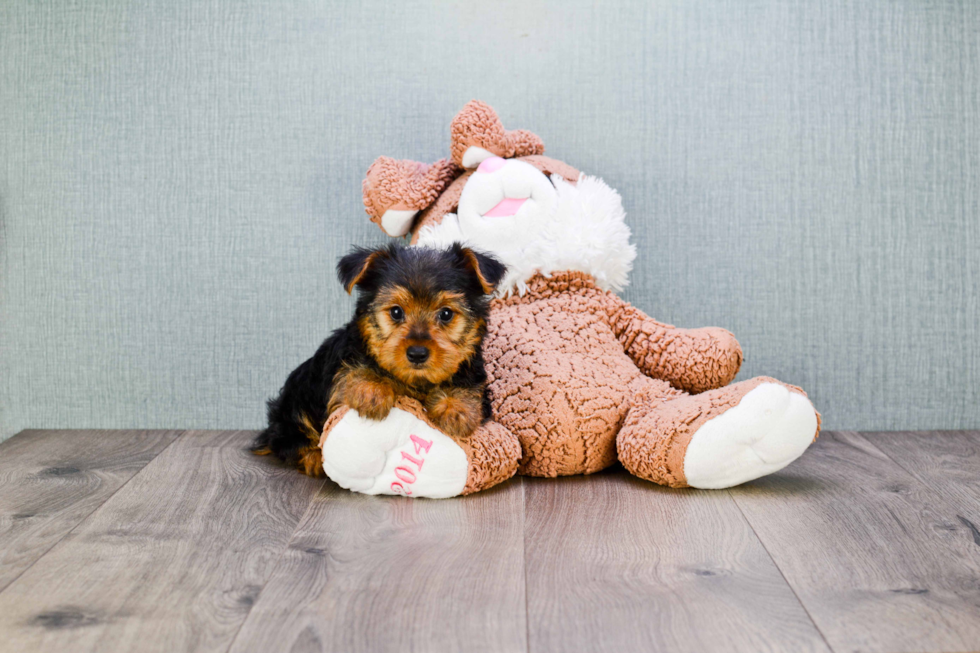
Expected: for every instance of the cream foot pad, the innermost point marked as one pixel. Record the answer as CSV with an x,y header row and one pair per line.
x,y
768,429
400,454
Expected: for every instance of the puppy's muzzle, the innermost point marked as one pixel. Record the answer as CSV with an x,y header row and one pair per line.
x,y
417,354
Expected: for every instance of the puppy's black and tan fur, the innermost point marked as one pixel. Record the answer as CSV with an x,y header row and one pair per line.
x,y
417,332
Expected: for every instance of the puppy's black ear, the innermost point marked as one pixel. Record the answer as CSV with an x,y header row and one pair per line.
x,y
353,268
488,270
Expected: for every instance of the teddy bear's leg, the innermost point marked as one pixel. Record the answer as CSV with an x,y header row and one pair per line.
x,y
405,454
719,438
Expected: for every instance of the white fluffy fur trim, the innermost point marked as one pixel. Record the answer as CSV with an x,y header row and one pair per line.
x,y
586,231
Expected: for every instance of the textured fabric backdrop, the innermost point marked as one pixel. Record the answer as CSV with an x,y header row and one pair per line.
x,y
177,180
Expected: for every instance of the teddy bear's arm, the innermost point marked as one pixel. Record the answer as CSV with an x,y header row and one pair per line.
x,y
693,360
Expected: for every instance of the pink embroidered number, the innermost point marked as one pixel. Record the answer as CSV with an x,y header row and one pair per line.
x,y
418,461
405,474
421,444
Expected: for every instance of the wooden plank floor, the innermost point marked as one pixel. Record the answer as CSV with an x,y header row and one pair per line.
x,y
182,541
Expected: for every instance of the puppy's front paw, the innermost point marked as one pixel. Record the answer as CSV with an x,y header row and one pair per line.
x,y
370,399
456,411
370,394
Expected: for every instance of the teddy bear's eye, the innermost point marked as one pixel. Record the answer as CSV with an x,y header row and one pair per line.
x,y
445,315
396,313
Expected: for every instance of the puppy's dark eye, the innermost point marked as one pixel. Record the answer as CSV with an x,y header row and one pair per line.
x,y
396,313
445,315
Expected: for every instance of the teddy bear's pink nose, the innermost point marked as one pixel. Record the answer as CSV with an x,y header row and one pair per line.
x,y
493,164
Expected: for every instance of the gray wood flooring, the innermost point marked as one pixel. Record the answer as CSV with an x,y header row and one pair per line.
x,y
183,541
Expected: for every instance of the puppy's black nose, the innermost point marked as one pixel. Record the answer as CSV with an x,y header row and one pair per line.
x,y
417,354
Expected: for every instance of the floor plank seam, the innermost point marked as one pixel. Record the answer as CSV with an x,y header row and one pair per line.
x,y
84,519
781,573
275,567
898,463
939,494
527,615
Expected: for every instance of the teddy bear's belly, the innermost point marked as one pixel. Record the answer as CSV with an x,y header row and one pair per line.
x,y
560,381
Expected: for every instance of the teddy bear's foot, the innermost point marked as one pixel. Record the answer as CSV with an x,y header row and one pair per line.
x,y
405,454
719,438
770,427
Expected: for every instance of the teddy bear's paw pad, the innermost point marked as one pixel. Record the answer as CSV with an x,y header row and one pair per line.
x,y
768,429
400,454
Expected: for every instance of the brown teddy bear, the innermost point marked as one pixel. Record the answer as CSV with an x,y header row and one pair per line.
x,y
578,377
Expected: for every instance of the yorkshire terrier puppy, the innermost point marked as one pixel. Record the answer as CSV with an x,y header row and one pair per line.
x,y
417,331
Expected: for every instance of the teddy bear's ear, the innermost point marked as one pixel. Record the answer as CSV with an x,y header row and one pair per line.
x,y
478,134
395,191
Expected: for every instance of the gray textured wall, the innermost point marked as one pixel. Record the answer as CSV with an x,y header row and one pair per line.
x,y
177,180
